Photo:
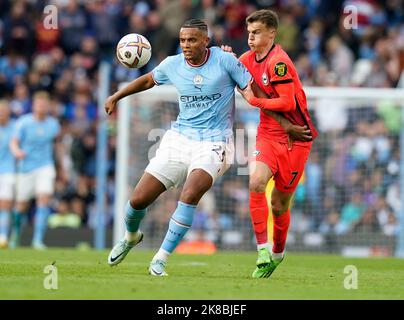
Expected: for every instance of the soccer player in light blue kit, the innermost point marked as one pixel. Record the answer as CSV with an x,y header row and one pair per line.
x,y
7,171
198,148
33,144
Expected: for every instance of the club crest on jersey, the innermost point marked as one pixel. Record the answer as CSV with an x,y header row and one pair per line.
x,y
198,81
281,69
264,78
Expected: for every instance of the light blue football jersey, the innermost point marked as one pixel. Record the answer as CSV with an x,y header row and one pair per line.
x,y
206,93
7,160
36,140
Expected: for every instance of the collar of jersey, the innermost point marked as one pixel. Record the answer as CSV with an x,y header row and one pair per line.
x,y
259,61
203,62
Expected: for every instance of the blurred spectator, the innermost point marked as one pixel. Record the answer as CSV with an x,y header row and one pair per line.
x,y
172,15
330,224
12,70
72,21
340,59
83,154
234,14
107,34
351,213
386,217
21,103
18,33
313,37
64,216
393,197
288,32
368,223
314,176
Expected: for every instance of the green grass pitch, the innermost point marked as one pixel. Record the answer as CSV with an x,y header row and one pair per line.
x,y
225,275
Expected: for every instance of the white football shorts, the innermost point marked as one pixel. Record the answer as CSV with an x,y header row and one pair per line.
x,y
36,182
177,156
7,186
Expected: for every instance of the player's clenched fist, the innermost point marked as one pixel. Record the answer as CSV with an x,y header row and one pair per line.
x,y
110,105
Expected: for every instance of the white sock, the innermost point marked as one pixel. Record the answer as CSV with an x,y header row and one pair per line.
x,y
132,236
277,256
262,245
161,255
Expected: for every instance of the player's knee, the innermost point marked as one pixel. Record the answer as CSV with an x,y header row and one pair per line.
x,y
257,184
22,207
278,206
43,200
190,196
6,205
138,202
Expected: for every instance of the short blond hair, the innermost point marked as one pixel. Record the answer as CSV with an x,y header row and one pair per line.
x,y
41,95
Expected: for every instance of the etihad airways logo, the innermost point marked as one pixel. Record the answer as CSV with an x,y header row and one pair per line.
x,y
201,98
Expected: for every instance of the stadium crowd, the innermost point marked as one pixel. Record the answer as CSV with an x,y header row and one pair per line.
x,y
352,178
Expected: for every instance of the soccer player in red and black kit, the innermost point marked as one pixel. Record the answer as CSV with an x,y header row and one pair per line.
x,y
274,73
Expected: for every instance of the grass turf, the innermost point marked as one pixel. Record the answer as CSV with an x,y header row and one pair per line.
x,y
225,275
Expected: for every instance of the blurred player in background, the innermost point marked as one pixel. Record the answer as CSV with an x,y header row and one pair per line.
x,y
7,171
33,145
199,146
274,73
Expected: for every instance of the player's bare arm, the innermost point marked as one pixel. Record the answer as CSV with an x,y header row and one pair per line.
x,y
140,84
16,150
60,150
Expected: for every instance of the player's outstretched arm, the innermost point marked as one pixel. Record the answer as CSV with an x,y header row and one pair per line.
x,y
138,85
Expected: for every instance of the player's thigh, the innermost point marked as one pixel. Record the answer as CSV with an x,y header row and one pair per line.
x,y
214,158
7,182
260,173
146,191
25,189
263,165
197,183
171,161
291,166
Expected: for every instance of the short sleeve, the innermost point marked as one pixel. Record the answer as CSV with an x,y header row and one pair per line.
x,y
279,70
160,72
237,70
